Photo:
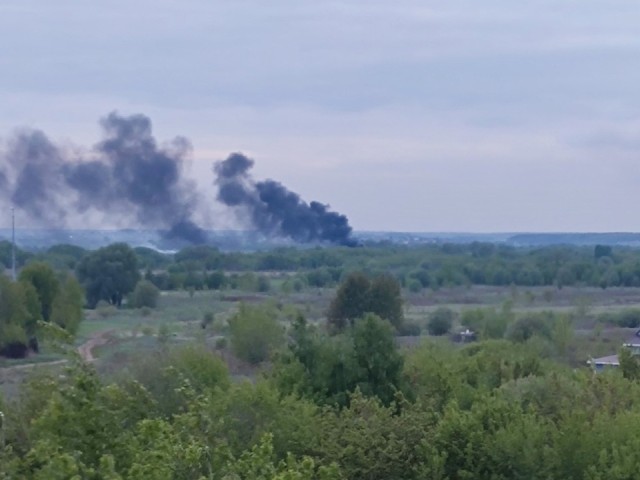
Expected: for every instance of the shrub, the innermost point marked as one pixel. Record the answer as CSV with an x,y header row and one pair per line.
x,y
526,327
207,319
163,373
440,321
410,329
255,332
414,286
105,310
629,318
145,294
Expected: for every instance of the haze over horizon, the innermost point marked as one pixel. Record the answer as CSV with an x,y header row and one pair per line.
x,y
409,116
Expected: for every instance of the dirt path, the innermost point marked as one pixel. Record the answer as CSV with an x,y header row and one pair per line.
x,y
86,349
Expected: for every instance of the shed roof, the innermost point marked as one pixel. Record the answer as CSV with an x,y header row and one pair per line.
x,y
609,360
633,340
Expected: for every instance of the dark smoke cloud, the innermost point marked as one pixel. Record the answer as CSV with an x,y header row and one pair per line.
x,y
275,210
134,171
37,163
129,175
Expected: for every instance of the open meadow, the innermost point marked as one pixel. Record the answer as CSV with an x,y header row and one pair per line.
x,y
113,338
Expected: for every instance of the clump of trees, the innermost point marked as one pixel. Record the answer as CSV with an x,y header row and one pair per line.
x,y
255,333
109,274
38,296
440,321
330,368
358,295
347,406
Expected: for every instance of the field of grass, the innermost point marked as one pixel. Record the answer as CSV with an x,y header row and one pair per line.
x,y
179,314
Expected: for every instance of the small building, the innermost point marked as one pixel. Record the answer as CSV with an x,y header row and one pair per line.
x,y
612,361
633,343
602,363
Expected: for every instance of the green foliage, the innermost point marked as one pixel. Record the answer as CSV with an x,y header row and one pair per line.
x,y
627,318
259,464
67,306
562,331
490,410
533,324
151,259
162,373
44,280
327,369
629,364
255,333
145,294
346,406
369,440
6,258
20,312
358,295
377,358
109,274
410,329
487,322
207,319
440,321
216,280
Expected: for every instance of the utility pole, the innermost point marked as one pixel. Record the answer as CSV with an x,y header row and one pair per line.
x,y
1,430
13,243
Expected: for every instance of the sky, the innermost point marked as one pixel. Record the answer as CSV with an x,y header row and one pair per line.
x,y
405,115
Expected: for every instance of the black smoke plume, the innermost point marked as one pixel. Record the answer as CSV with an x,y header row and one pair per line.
x,y
274,210
37,163
128,175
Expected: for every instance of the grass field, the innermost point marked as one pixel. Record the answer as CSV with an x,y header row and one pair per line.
x,y
123,332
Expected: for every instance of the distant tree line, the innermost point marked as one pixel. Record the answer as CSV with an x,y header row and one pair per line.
x,y
416,267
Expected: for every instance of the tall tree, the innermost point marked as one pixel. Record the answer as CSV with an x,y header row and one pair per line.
x,y
67,306
20,312
385,299
358,295
109,274
44,280
377,356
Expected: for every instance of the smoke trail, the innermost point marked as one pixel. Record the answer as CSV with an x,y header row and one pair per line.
x,y
275,210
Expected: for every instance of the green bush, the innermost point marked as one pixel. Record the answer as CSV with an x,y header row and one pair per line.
x,y
629,318
145,294
106,310
410,329
207,319
255,332
440,321
530,325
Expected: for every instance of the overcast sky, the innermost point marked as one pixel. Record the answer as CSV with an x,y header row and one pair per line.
x,y
406,115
